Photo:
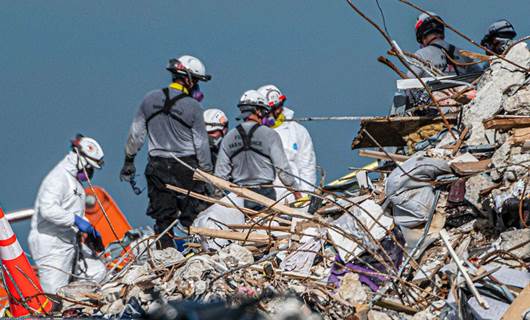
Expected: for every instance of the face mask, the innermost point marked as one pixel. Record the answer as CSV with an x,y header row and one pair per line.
x,y
268,121
278,121
215,142
81,176
196,93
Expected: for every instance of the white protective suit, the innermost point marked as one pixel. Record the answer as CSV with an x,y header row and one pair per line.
x,y
298,147
52,240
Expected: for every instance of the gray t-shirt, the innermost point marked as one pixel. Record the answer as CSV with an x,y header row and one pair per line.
x,y
438,59
168,136
250,167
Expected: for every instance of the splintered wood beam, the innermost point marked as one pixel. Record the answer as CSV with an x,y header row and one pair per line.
x,y
244,210
518,306
507,122
383,156
249,194
469,168
230,235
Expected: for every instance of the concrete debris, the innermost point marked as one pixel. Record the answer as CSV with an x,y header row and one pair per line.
x,y
235,256
517,242
491,88
351,290
439,233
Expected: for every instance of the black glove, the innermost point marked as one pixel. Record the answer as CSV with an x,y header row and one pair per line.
x,y
128,170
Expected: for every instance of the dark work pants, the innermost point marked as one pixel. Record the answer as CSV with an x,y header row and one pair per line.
x,y
166,205
268,192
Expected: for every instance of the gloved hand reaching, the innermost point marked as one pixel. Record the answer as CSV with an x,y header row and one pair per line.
x,y
128,170
85,227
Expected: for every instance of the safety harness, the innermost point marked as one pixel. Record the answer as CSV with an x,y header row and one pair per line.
x,y
449,52
247,142
166,109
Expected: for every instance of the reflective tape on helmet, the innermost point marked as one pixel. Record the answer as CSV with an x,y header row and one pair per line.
x,y
418,24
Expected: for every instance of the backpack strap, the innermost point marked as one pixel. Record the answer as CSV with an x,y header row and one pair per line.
x,y
247,141
450,53
166,109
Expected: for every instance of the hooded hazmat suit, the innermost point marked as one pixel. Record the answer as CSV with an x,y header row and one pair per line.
x,y
52,239
298,148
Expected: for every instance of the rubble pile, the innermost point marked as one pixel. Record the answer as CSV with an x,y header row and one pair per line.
x,y
437,233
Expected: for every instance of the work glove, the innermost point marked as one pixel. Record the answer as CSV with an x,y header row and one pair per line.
x,y
85,227
128,170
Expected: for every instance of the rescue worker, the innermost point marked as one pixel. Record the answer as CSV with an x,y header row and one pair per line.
x,y
172,119
252,153
217,126
59,216
430,34
499,36
296,140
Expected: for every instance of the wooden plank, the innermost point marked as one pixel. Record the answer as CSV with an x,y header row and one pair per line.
x,y
382,156
518,306
468,168
230,235
260,227
244,210
520,136
507,122
251,195
458,144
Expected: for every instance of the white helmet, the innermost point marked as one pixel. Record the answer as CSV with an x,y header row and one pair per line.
x,y
215,119
188,66
272,94
253,98
89,152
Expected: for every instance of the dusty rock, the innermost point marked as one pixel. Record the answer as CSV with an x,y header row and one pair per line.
x,y
513,238
518,101
80,290
111,291
136,274
167,257
491,88
113,308
377,315
351,289
292,309
235,255
195,268
473,187
424,315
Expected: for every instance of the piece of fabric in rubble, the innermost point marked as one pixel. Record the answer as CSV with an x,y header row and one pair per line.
x,y
217,217
409,191
364,213
301,260
361,265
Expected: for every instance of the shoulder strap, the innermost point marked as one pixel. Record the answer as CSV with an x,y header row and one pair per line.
x,y
449,52
166,108
247,141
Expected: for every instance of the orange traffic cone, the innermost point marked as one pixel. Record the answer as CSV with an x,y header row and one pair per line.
x,y
20,280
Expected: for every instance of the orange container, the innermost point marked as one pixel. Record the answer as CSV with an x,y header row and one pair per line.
x,y
95,215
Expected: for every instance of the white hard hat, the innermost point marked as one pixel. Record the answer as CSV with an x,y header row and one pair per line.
x,y
215,119
427,24
188,66
89,151
252,99
272,94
